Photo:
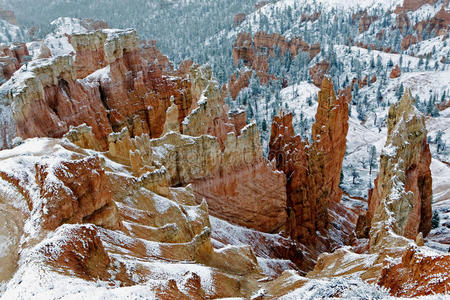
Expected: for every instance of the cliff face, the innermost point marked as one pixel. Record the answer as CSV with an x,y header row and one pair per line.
x,y
51,88
136,162
403,185
399,215
86,220
255,52
8,16
12,58
221,159
412,5
313,171
245,48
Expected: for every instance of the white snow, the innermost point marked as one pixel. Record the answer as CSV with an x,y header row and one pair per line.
x,y
65,25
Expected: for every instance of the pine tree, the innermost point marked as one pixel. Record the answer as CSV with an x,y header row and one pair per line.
x,y
355,175
372,158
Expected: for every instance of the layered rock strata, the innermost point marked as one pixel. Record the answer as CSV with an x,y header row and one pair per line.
x,y
11,59
255,51
399,215
87,218
53,94
313,171
403,185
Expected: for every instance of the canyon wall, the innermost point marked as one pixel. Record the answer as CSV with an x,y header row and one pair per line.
x,y
125,90
313,171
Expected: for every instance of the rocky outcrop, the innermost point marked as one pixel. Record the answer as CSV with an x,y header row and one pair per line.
x,y
8,16
236,84
421,272
54,99
222,158
239,18
403,186
412,5
261,4
70,201
172,123
313,171
365,21
11,59
245,190
407,41
439,23
396,72
224,179
61,189
153,56
238,119
268,42
254,52
209,114
402,22
319,71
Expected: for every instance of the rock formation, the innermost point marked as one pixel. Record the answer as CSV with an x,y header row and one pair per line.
x,y
407,41
396,72
236,84
365,21
121,73
412,5
313,171
62,189
210,113
399,215
8,16
403,185
420,272
319,71
172,123
11,59
254,53
239,18
245,48
223,177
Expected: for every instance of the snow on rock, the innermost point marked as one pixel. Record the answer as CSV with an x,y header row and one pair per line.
x,y
10,33
65,25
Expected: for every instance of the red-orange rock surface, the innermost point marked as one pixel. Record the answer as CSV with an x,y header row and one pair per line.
x,y
402,22
8,16
439,22
254,52
420,272
151,53
407,41
239,18
396,72
318,72
239,120
313,171
236,84
12,58
403,185
129,90
83,196
412,5
365,21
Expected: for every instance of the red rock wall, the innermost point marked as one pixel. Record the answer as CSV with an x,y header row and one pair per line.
x,y
313,171
130,93
258,190
418,274
8,16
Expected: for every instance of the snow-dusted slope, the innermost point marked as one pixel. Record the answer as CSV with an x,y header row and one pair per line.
x,y
10,33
